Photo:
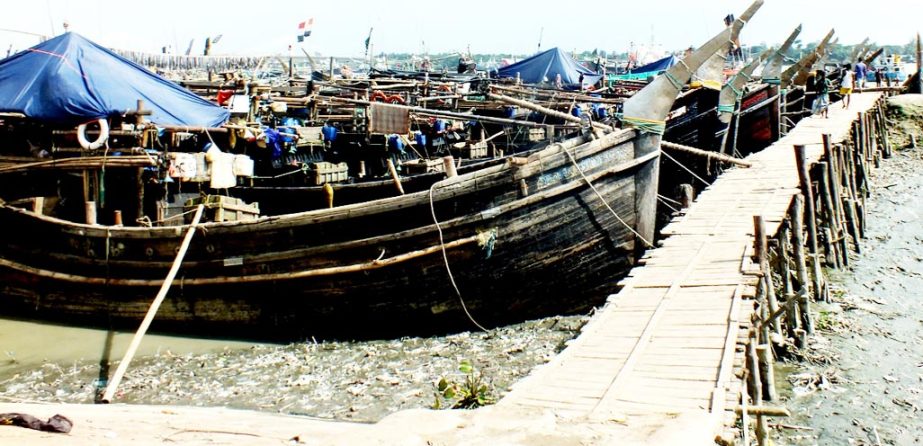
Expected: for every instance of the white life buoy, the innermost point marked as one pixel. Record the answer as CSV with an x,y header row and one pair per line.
x,y
103,135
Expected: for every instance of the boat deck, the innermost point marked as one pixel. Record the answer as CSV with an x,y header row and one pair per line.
x,y
657,365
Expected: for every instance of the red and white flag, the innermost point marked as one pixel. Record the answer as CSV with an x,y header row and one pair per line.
x,y
304,29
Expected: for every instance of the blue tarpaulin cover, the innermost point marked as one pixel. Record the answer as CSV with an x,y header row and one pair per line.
x,y
544,66
652,69
70,80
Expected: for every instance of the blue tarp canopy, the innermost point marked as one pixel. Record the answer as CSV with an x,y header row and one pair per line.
x,y
652,69
545,66
70,80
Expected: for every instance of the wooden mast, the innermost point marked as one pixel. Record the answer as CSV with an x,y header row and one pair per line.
x,y
772,72
651,105
797,74
711,73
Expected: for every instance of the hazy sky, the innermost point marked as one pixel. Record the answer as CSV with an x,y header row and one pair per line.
x,y
497,26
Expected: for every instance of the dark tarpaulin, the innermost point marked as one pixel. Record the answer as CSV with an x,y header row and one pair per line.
x,y
657,66
545,66
70,80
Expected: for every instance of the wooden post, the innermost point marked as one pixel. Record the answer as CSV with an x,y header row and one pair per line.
x,y
852,223
783,237
835,181
810,219
152,311
397,180
767,372
38,205
448,162
762,253
756,384
90,207
800,263
328,195
686,194
830,214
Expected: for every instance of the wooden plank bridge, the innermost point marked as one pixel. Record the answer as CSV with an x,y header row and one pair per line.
x,y
671,341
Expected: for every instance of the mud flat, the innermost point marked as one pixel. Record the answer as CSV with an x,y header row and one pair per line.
x,y
860,381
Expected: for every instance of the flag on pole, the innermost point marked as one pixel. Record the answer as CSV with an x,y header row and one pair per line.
x,y
216,38
304,29
368,40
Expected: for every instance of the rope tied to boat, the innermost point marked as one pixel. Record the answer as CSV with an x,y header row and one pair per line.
x,y
445,256
644,125
673,80
605,203
727,108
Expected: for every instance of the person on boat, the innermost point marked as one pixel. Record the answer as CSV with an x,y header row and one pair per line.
x,y
846,85
822,87
862,72
558,83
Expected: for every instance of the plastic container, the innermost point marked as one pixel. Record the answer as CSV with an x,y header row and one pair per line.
x,y
329,132
395,144
420,138
577,111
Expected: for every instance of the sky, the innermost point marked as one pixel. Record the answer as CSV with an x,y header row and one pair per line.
x,y
484,26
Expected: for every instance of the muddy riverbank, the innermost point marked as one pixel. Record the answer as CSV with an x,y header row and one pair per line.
x,y
358,381
861,382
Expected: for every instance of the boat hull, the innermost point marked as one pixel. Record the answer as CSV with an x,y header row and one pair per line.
x,y
525,239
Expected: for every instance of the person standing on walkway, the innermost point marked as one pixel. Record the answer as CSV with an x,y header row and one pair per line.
x,y
862,72
846,85
822,86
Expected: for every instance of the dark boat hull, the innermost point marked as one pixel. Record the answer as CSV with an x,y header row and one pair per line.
x,y
523,239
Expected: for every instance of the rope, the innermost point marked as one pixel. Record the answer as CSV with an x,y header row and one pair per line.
x,y
596,191
655,126
445,258
723,108
665,203
673,80
663,197
685,168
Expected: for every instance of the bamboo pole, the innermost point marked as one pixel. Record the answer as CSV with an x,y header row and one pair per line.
x,y
810,219
545,110
762,253
832,257
790,304
706,154
770,411
767,372
397,180
444,113
797,218
152,311
833,160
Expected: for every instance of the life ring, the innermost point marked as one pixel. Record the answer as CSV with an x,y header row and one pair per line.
x,y
378,96
100,140
395,99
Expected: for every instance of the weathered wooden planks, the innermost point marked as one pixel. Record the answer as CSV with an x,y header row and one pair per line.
x,y
672,340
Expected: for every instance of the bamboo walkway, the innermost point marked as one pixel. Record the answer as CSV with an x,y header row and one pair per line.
x,y
671,341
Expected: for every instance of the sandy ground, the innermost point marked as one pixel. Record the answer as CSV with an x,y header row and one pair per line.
x,y
141,424
863,384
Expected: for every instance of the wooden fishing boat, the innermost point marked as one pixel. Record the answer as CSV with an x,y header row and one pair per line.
x,y
526,237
